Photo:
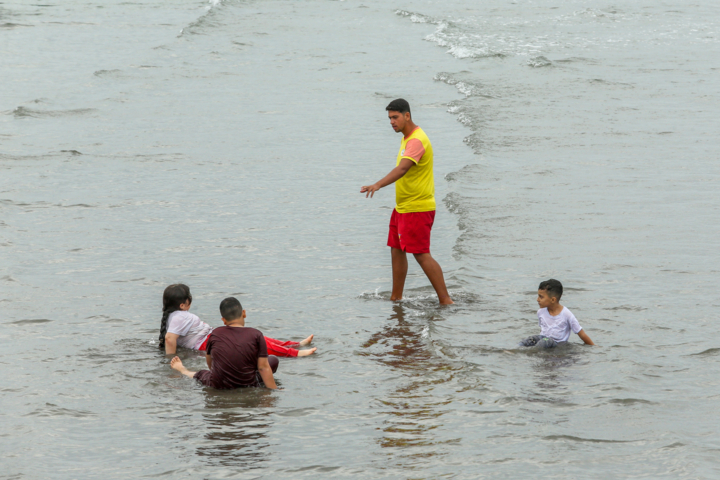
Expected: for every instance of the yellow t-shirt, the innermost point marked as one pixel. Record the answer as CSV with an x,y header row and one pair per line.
x,y
415,191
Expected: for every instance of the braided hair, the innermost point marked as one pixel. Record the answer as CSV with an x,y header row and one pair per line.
x,y
173,296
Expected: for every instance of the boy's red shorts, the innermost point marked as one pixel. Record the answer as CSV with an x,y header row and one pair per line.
x,y
410,232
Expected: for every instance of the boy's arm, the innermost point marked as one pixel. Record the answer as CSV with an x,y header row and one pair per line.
x,y
584,337
171,343
208,360
263,367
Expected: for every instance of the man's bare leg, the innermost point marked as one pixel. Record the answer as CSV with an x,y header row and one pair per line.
x,y
176,364
435,274
307,341
399,269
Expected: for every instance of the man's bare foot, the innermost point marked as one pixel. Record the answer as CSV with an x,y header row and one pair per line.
x,y
446,301
176,364
307,341
305,353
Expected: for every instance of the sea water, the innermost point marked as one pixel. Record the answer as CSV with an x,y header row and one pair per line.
x,y
223,144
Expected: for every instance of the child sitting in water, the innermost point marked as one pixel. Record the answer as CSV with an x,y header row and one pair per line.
x,y
236,355
555,321
179,327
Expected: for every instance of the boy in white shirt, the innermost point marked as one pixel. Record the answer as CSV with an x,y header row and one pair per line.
x,y
556,322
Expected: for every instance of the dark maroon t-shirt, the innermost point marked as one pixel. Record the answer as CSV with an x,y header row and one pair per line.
x,y
235,352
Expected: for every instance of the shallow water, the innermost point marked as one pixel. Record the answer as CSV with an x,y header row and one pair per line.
x,y
223,145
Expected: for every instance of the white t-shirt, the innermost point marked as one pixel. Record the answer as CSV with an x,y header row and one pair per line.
x,y
191,329
557,327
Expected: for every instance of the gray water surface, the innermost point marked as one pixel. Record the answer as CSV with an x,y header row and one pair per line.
x,y
223,145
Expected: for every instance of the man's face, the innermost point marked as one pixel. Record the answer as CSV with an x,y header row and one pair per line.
x,y
398,120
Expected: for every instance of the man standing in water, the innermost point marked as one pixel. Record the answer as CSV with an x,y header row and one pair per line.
x,y
414,213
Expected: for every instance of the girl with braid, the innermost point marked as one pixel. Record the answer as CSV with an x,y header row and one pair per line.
x,y
180,328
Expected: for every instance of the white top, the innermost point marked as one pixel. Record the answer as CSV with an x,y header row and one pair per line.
x,y
191,329
557,327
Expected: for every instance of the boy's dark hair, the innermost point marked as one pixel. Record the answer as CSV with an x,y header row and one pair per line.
x,y
552,287
230,309
399,105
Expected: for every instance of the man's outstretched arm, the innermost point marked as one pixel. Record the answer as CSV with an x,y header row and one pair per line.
x,y
392,177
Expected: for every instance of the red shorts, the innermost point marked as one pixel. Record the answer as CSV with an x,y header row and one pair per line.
x,y
203,345
410,232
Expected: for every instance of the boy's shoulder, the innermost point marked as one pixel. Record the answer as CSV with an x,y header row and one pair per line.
x,y
251,331
567,316
564,313
241,331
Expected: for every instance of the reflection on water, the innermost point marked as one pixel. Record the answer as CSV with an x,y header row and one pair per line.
x,y
414,408
551,370
237,423
550,363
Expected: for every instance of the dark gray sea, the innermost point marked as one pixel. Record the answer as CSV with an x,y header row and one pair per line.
x,y
223,145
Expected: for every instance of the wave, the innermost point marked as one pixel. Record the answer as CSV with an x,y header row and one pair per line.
x,y
467,88
13,25
631,401
52,410
583,440
104,73
30,321
539,62
462,40
206,21
710,352
42,204
23,112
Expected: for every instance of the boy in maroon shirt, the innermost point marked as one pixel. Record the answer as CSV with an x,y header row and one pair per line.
x,y
236,355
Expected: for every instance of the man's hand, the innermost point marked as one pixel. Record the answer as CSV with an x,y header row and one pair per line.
x,y
369,190
394,175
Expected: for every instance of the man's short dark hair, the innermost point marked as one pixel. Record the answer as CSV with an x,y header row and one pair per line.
x,y
230,309
552,287
399,105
